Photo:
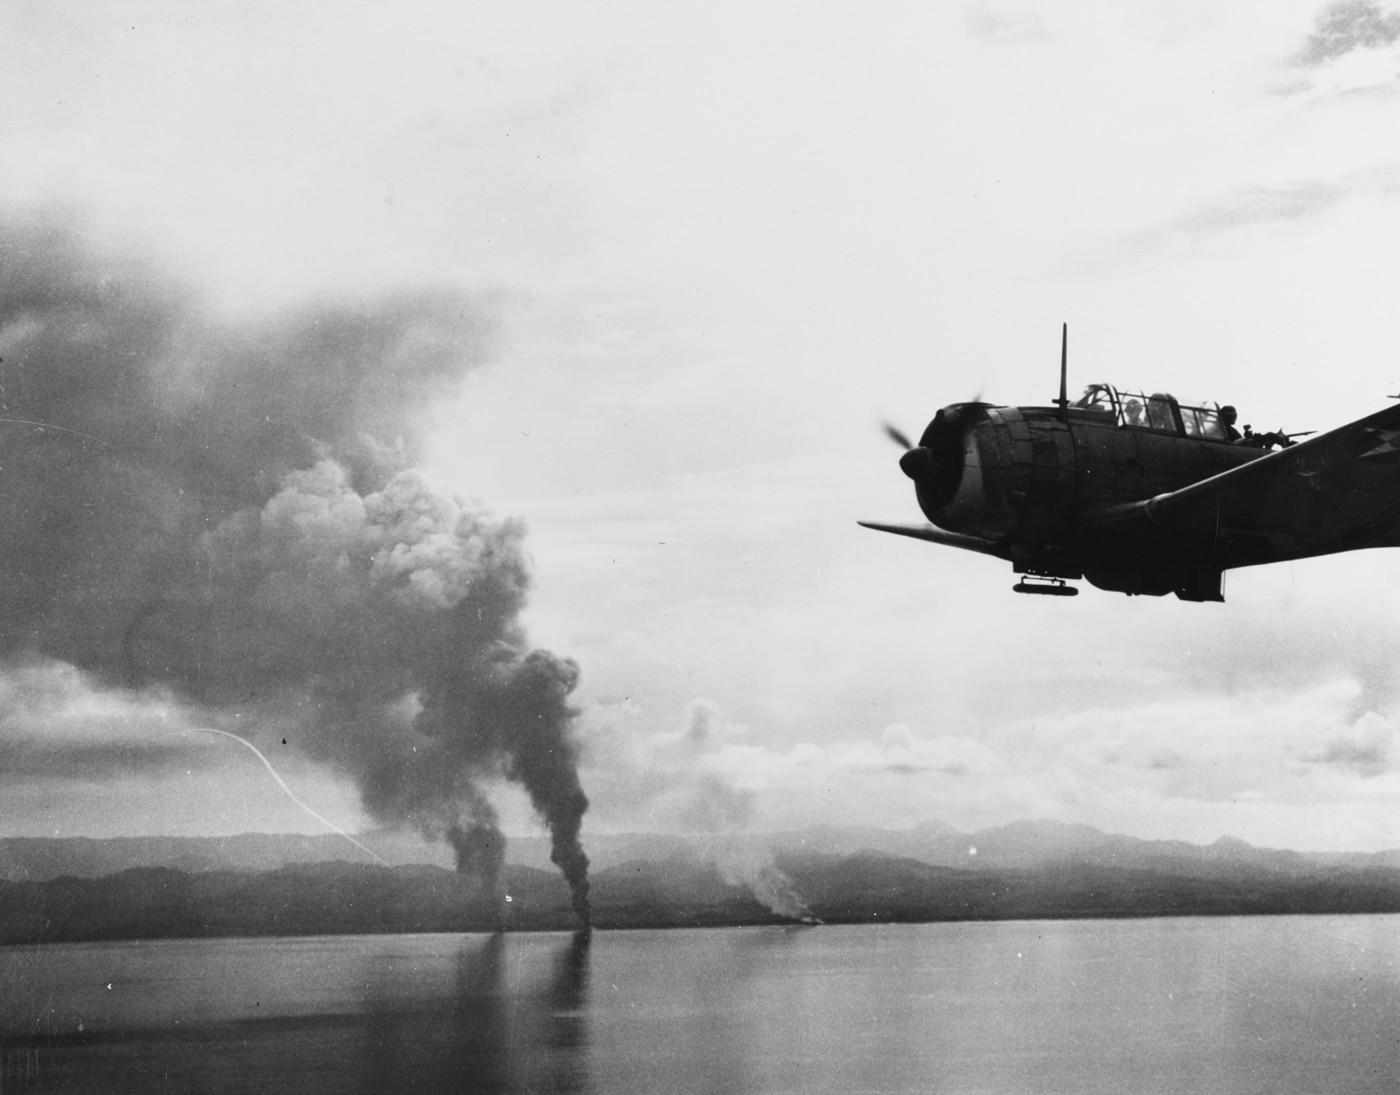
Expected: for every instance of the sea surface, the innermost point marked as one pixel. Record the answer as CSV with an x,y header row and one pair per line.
x,y
1230,1005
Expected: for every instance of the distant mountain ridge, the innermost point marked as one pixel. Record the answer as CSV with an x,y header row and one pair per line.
x,y
1021,845
39,859
1038,844
867,887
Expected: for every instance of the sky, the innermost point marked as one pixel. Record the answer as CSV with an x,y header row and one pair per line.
x,y
629,288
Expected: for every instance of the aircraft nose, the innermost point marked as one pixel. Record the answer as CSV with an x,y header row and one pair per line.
x,y
917,463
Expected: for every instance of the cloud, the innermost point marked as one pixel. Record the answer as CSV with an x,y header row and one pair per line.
x,y
1005,26
901,751
1265,205
1258,207
1247,208
677,775
708,776
57,723
1275,765
1367,746
1212,747
79,757
1355,49
1346,26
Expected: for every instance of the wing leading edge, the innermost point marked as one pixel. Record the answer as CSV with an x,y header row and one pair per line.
x,y
936,535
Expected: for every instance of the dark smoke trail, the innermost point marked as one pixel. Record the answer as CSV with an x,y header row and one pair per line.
x,y
232,512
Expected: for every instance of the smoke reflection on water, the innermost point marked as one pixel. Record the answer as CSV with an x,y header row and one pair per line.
x,y
505,1027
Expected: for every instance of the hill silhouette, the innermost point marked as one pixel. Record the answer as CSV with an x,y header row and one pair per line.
x,y
78,890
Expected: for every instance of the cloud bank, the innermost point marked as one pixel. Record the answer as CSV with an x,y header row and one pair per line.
x,y
1245,762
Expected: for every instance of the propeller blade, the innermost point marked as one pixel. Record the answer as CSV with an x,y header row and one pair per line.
x,y
897,436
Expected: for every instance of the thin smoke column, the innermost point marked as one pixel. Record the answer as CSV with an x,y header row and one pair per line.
x,y
233,512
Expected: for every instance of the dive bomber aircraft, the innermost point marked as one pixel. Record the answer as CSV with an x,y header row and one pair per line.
x,y
1144,494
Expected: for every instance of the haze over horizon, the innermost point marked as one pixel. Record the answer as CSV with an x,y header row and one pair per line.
x,y
644,282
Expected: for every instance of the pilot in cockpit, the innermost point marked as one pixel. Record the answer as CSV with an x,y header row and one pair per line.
x,y
1132,413
1228,415
1159,412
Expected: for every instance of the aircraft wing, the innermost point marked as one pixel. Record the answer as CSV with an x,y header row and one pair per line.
x,y
1334,492
935,535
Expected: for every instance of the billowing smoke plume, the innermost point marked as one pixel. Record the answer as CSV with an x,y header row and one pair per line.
x,y
686,775
743,863
234,513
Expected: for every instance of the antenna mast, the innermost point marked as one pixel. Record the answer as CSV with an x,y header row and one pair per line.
x,y
1063,401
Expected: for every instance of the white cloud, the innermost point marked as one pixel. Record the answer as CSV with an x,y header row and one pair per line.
x,y
1345,27
1269,766
996,25
81,758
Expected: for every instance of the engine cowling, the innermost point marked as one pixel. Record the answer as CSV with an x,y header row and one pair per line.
x,y
963,473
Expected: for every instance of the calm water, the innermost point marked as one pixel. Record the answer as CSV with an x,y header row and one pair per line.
x,y
1290,1004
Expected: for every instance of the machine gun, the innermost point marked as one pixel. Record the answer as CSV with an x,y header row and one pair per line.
x,y
1272,439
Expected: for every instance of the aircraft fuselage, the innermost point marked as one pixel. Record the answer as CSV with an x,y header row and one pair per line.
x,y
1029,473
1144,494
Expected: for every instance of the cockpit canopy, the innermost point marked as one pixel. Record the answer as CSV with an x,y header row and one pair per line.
x,y
1158,411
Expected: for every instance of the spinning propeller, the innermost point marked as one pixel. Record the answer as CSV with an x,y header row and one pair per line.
x,y
935,464
895,434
